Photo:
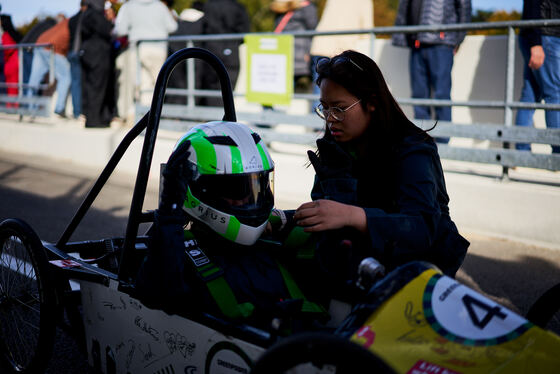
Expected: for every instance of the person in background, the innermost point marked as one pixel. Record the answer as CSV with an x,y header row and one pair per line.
x,y
541,74
431,53
10,36
189,23
96,65
74,57
379,187
112,88
145,20
30,38
59,37
223,17
297,15
340,16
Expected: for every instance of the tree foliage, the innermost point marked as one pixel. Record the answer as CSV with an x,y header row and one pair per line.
x,y
493,16
385,12
262,19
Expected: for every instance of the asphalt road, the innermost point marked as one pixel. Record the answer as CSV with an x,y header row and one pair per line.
x,y
46,194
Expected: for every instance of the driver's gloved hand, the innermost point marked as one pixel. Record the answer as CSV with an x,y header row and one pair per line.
x,y
333,168
175,176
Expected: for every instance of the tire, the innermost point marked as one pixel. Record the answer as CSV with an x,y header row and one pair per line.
x,y
27,301
545,312
319,349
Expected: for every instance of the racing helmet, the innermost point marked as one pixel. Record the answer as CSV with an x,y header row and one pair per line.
x,y
230,185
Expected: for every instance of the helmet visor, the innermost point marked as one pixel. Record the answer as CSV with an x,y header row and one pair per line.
x,y
246,196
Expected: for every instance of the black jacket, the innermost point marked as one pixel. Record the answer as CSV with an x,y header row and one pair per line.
x,y
8,26
96,38
531,10
406,206
225,17
433,12
536,10
550,9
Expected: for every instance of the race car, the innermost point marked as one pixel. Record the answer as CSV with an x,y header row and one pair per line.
x,y
412,320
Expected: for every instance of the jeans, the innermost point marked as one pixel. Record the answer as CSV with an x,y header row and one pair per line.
x,y
76,85
430,70
27,61
40,66
540,84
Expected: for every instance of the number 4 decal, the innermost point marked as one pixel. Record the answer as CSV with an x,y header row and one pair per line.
x,y
491,311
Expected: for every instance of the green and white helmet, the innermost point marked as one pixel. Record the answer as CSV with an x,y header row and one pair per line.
x,y
230,190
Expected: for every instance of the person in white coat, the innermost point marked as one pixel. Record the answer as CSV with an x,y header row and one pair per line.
x,y
144,20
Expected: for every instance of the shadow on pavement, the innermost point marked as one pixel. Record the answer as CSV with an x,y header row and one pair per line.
x,y
516,279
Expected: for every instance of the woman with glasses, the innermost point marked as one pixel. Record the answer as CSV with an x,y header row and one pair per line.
x,y
379,187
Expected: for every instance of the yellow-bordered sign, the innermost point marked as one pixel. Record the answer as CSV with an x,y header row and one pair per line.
x,y
270,69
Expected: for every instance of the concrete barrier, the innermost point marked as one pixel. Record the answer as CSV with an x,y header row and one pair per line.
x,y
523,208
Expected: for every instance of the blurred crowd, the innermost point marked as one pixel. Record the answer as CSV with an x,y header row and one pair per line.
x,y
101,67
95,54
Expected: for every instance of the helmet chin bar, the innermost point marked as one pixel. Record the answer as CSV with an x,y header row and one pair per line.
x,y
224,224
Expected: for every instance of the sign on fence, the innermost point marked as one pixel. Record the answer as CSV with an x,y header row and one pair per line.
x,y
270,78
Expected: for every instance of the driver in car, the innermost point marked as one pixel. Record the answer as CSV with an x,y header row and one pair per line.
x,y
204,249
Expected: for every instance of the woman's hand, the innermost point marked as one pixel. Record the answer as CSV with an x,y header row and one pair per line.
x,y
321,215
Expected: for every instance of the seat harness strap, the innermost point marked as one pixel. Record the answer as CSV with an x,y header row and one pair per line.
x,y
213,276
296,293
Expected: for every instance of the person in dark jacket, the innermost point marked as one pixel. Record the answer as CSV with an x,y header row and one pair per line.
x,y
96,65
223,17
296,15
379,186
188,23
541,75
431,53
74,57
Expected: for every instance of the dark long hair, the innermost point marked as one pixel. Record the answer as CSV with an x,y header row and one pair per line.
x,y
361,76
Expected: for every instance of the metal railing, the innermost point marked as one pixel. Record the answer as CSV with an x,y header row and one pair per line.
x,y
506,134
21,103
182,117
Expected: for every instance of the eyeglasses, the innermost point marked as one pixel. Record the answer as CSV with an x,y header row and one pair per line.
x,y
335,61
335,112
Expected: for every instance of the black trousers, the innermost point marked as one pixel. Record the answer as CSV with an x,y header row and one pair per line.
x,y
96,76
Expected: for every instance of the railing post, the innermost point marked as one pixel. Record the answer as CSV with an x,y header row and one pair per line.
x,y
20,72
20,77
190,77
372,45
510,70
51,66
137,94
